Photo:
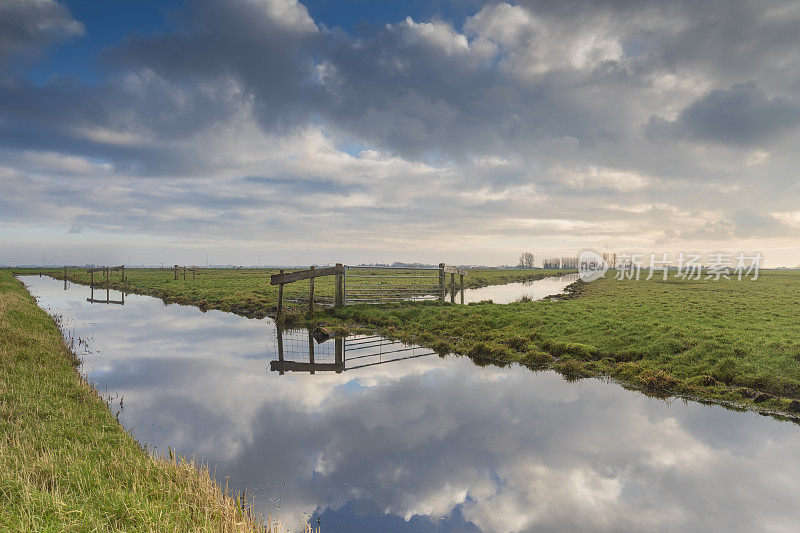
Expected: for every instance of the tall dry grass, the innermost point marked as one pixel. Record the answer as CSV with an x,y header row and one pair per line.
x,y
65,462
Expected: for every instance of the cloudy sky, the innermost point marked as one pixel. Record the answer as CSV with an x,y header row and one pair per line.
x,y
282,132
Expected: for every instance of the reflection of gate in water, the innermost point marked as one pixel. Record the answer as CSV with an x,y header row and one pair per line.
x,y
108,300
298,351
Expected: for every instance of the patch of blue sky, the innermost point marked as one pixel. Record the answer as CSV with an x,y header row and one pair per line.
x,y
105,23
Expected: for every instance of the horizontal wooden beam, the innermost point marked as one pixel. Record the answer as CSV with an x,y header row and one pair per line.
x,y
454,270
297,366
290,277
95,301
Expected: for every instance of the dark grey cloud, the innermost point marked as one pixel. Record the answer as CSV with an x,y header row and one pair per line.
x,y
742,115
396,89
268,47
27,26
129,120
424,89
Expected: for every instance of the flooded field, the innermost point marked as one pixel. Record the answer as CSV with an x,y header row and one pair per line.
x,y
511,292
365,434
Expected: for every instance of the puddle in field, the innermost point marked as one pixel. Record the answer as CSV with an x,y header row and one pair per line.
x,y
511,292
369,435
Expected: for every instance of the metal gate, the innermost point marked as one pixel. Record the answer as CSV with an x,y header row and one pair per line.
x,y
376,284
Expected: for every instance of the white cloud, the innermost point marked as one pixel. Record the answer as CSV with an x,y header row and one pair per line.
x,y
436,34
533,45
290,13
602,178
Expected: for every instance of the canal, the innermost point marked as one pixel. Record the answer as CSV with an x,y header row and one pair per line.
x,y
376,436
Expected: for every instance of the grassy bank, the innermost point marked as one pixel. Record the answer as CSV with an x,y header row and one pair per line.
x,y
726,340
65,463
247,292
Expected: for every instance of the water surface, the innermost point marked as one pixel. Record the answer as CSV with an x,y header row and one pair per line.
x,y
425,443
511,292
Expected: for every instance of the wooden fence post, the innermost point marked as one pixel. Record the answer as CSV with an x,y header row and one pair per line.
x,y
338,344
65,272
311,293
338,298
452,288
311,350
184,273
441,281
280,297
462,289
91,283
123,272
280,348
108,274
175,269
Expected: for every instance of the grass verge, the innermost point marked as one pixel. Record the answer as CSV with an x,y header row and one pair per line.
x,y
66,464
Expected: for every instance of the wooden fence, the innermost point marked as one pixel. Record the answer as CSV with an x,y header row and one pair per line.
x,y
282,278
105,270
193,270
375,284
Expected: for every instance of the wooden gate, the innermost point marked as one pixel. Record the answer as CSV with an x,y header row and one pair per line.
x,y
377,284
368,284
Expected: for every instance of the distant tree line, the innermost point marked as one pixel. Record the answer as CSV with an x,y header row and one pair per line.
x,y
610,258
525,260
561,262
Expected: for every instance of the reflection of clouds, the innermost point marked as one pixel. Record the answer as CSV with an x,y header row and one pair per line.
x,y
506,448
511,292
534,494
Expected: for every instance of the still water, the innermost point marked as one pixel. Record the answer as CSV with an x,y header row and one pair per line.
x,y
424,443
511,292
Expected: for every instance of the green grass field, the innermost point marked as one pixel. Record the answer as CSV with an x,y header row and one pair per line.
x,y
721,340
65,462
247,291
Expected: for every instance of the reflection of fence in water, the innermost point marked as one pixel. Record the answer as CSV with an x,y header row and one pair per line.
x,y
108,300
375,350
300,352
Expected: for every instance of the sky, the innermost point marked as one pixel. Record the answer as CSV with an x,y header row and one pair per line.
x,y
280,132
